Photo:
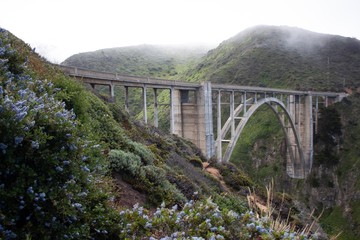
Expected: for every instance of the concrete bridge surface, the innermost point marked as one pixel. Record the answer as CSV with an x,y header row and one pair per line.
x,y
196,107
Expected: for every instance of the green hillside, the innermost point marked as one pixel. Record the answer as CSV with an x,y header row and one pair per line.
x,y
285,57
142,60
282,57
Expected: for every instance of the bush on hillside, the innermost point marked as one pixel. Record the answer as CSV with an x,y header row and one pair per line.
x,y
49,167
149,178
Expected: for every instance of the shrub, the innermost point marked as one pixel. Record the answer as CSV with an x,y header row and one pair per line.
x,y
199,220
143,152
49,166
196,162
125,161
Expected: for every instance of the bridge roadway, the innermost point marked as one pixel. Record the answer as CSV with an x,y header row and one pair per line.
x,y
112,79
297,112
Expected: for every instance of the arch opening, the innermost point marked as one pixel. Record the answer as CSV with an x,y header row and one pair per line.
x,y
295,164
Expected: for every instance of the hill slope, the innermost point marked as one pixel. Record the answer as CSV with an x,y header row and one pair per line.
x,y
294,58
282,57
143,60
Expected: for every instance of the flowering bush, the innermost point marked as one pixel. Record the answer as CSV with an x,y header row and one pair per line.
x,y
198,220
49,168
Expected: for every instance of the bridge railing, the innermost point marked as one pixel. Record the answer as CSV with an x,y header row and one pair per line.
x,y
106,78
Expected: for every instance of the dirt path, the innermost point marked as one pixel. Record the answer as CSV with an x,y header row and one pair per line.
x,y
216,174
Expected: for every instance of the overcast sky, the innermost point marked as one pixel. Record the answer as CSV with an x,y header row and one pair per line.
x,y
60,28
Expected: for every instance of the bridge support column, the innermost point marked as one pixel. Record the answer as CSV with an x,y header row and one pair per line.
x,y
112,90
300,110
193,119
219,125
307,132
156,117
177,112
127,99
205,120
144,104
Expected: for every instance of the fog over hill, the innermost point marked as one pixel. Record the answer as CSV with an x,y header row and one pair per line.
x,y
141,60
284,57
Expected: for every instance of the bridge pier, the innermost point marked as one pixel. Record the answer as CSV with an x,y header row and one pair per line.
x,y
156,117
193,117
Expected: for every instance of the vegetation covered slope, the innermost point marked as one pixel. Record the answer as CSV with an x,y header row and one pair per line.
x,y
294,58
142,60
282,57
64,151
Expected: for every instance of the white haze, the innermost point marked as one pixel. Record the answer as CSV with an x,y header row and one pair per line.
x,y
61,28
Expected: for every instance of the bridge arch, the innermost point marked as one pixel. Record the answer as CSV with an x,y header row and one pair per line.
x,y
295,166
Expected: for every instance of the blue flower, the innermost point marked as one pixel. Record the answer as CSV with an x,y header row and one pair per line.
x,y
59,169
18,140
30,190
10,234
20,116
3,147
34,144
77,205
22,92
85,169
250,225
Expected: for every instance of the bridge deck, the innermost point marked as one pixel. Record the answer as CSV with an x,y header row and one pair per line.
x,y
107,78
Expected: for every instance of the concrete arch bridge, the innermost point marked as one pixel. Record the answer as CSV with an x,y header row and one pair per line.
x,y
197,112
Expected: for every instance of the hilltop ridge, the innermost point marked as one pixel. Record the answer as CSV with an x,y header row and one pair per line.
x,y
142,60
285,57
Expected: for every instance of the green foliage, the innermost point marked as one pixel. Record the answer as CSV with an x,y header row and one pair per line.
x,y
282,57
74,96
196,162
254,147
199,220
233,176
231,202
143,152
50,168
334,222
143,60
329,127
125,161
150,178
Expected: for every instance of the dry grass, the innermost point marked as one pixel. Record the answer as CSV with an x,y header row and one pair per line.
x,y
266,209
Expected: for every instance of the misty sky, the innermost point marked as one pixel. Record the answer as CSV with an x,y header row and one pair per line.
x,y
60,28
